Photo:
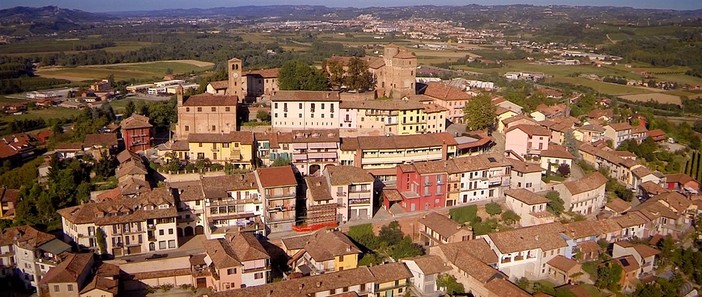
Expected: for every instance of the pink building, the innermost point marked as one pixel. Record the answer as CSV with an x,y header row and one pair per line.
x,y
421,187
527,140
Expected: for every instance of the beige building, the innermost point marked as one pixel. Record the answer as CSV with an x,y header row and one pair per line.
x,y
205,113
232,204
585,196
322,252
79,275
352,188
395,73
305,110
530,207
146,223
260,83
437,229
278,189
237,261
449,97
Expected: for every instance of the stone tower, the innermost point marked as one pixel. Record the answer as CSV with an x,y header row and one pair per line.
x,y
179,95
234,68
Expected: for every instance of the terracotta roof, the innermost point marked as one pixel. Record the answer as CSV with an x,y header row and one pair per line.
x,y
220,84
233,136
379,104
502,287
530,130
69,269
643,250
518,117
656,133
433,108
325,245
680,178
207,99
429,264
618,205
145,206
232,252
131,167
524,167
546,237
9,195
557,151
675,200
105,139
628,263
526,196
390,272
597,113
103,284
315,136
562,263
396,141
392,195
440,224
589,246
276,177
639,130
585,184
135,121
296,242
127,155
187,190
629,220
620,126
265,73
641,171
318,188
220,186
25,237
346,175
375,63
591,127
445,92
331,96
405,54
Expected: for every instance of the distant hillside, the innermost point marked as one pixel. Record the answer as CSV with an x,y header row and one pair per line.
x,y
41,20
291,11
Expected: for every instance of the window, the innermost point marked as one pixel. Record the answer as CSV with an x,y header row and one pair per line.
x,y
171,244
341,258
56,288
225,145
231,271
187,128
299,115
214,128
170,231
312,107
161,232
199,144
227,109
213,109
275,105
299,105
258,275
331,107
187,109
69,288
199,109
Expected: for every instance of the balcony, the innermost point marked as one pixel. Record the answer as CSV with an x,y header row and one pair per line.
x,y
359,201
257,269
151,227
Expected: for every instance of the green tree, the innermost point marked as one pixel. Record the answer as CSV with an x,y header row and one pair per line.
x,y
335,72
555,204
296,75
450,284
571,144
263,116
510,217
281,162
101,240
479,113
464,214
129,109
405,248
391,233
493,208
608,276
358,77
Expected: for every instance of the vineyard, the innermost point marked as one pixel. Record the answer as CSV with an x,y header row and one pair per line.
x,y
692,166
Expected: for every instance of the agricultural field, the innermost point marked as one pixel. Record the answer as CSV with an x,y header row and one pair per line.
x,y
67,46
603,87
126,71
46,114
660,98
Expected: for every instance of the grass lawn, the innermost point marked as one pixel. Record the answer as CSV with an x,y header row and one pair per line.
x,y
591,268
120,105
46,114
155,70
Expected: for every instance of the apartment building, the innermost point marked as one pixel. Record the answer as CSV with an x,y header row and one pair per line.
x,y
277,187
322,252
618,133
527,140
422,185
137,132
425,272
232,204
142,224
437,229
321,206
395,117
81,275
449,97
525,175
314,149
352,189
585,196
380,155
205,113
305,110
237,261
189,199
271,146
235,147
28,254
530,207
589,133
524,252
483,177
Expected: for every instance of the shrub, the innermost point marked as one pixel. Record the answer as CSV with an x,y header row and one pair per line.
x,y
493,208
464,214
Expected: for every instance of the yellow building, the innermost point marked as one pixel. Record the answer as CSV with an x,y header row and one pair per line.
x,y
411,121
322,252
234,147
391,279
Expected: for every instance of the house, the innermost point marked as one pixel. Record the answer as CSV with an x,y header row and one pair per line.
x,y
314,149
28,254
657,135
630,271
353,190
16,148
682,183
554,157
321,207
257,83
525,175
650,189
153,212
206,114
396,117
232,204
237,261
618,133
527,140
665,214
8,201
305,110
81,275
137,133
448,97
436,229
425,271
524,252
589,133
217,87
235,147
503,114
617,206
379,155
563,270
585,196
322,252
189,198
645,255
520,119
421,186
530,207
278,189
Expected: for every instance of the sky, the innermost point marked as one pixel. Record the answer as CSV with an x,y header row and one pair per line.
x,y
132,5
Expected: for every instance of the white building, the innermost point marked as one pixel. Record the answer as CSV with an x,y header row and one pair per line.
x,y
305,110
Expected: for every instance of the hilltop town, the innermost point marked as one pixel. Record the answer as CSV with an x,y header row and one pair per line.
x,y
368,172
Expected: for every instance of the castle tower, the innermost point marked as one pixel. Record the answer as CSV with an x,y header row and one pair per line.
x,y
179,95
234,68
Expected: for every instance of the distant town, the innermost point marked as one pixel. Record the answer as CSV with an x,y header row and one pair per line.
x,y
349,152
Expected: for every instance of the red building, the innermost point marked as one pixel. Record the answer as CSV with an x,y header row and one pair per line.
x,y
421,187
137,133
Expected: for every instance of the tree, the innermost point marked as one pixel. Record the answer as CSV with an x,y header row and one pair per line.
x,y
101,240
464,214
608,276
358,77
335,72
296,75
263,116
450,284
493,208
391,233
405,248
571,144
479,113
281,162
564,170
510,217
129,109
555,204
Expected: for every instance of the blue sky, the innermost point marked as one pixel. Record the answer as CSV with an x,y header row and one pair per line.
x,y
128,5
